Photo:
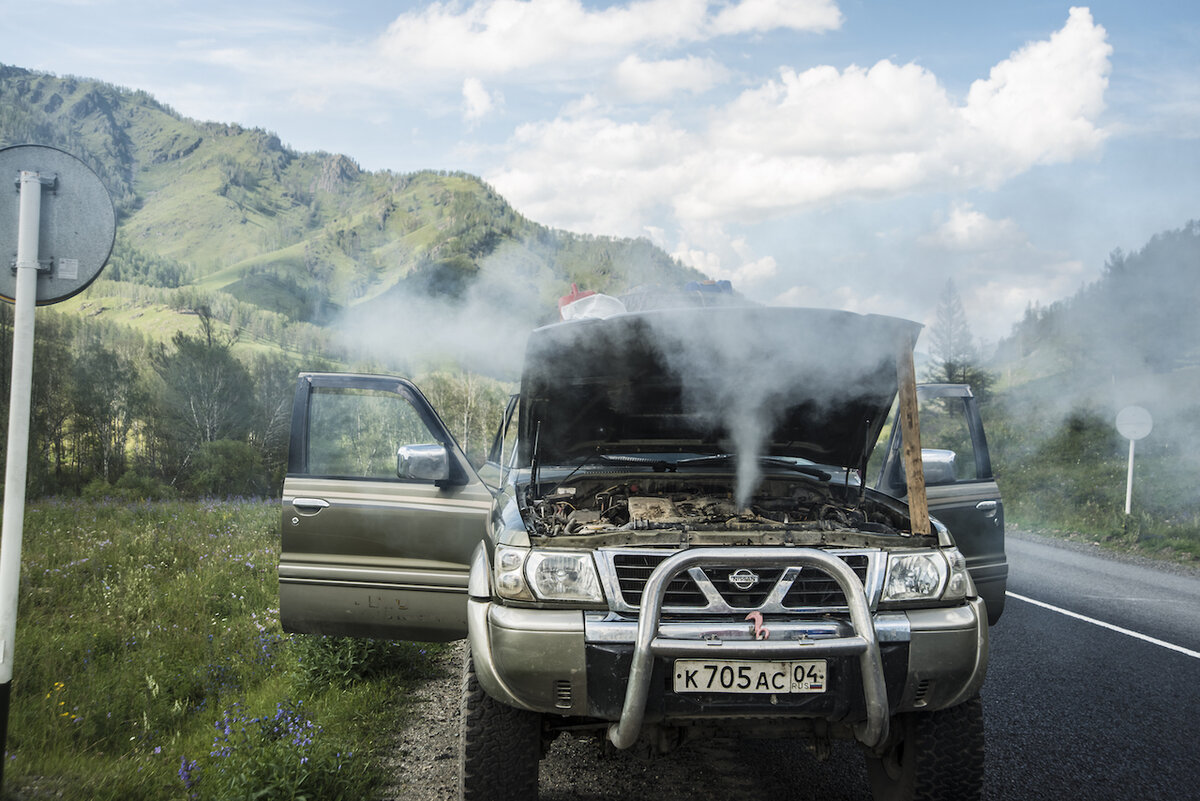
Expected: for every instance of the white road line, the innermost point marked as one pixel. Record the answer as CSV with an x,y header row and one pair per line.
x,y
1109,626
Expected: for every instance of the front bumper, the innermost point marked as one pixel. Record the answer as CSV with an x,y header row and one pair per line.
x,y
606,667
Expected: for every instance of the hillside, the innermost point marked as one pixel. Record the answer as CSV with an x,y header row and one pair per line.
x,y
284,246
1132,336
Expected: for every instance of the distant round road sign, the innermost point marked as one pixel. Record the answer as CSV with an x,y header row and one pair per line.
x,y
1134,422
78,224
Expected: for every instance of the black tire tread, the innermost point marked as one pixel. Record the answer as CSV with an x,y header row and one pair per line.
x,y
499,746
950,743
942,756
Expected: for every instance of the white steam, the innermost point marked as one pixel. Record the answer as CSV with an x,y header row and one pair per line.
x,y
744,370
483,330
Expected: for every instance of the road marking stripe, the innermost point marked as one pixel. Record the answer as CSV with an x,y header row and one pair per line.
x,y
1109,626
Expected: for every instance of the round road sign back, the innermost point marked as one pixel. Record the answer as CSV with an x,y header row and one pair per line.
x,y
78,225
1134,422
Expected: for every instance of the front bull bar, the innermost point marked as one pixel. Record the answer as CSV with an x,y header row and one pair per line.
x,y
649,644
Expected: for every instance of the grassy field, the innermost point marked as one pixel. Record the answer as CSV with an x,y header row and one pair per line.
x,y
1070,482
150,664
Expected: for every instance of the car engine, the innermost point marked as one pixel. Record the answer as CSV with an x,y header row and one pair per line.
x,y
590,507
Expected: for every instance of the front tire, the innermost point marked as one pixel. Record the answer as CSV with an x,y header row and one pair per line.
x,y
933,756
499,745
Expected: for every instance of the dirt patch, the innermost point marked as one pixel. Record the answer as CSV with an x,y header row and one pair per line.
x,y
424,766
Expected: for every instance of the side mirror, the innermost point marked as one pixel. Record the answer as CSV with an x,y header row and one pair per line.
x,y
423,462
938,466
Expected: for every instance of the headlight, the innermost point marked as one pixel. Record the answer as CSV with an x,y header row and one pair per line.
x,y
523,574
959,585
558,576
914,577
927,576
510,573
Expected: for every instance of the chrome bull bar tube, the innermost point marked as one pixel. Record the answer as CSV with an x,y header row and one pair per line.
x,y
649,644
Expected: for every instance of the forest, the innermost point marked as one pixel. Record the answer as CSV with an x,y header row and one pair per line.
x,y
117,414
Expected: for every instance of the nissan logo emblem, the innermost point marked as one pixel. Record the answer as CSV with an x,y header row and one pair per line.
x,y
743,579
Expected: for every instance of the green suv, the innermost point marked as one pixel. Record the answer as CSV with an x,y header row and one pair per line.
x,y
692,522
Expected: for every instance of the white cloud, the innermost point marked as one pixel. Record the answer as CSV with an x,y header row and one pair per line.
x,y
590,173
750,270
422,58
477,101
711,251
966,229
1039,105
759,16
884,110
819,136
993,306
497,37
311,100
500,36
647,81
705,261
754,272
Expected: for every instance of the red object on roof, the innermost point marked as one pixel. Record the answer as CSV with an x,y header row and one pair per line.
x,y
571,298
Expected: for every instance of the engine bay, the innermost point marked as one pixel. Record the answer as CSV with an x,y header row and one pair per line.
x,y
590,507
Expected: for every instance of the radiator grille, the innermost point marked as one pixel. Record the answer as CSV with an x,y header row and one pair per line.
x,y
815,587
633,570
811,587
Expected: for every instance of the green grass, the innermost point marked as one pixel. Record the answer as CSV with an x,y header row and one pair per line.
x,y
150,664
1086,501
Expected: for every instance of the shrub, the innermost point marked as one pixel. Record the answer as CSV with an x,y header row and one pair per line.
x,y
226,468
338,661
131,486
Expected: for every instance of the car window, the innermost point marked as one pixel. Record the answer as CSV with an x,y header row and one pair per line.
x,y
944,427
355,432
880,451
508,457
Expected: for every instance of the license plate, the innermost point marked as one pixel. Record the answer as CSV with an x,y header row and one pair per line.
x,y
741,676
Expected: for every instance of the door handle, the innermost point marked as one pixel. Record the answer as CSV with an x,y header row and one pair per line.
x,y
987,507
309,506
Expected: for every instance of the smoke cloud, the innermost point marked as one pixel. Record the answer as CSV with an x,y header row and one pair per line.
x,y
1131,338
480,325
745,372
739,381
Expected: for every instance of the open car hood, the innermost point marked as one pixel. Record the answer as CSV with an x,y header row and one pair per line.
x,y
810,383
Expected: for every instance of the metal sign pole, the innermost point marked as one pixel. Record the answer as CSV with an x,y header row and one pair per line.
x,y
62,238
18,436
1133,423
1129,481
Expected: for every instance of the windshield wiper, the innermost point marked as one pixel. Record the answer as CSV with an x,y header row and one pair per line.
x,y
658,465
722,458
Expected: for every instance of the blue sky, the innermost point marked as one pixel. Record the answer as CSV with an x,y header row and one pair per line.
x,y
852,154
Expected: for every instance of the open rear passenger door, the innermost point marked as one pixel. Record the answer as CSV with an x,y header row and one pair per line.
x,y
959,484
381,513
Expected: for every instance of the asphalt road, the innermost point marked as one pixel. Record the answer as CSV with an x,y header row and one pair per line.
x,y
1074,710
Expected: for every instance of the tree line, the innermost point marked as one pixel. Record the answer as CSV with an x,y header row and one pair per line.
x,y
116,414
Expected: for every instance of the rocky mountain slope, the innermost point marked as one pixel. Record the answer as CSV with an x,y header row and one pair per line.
x,y
283,245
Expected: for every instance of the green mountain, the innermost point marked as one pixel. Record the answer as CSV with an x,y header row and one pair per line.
x,y
282,246
1138,317
1132,332
1130,338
